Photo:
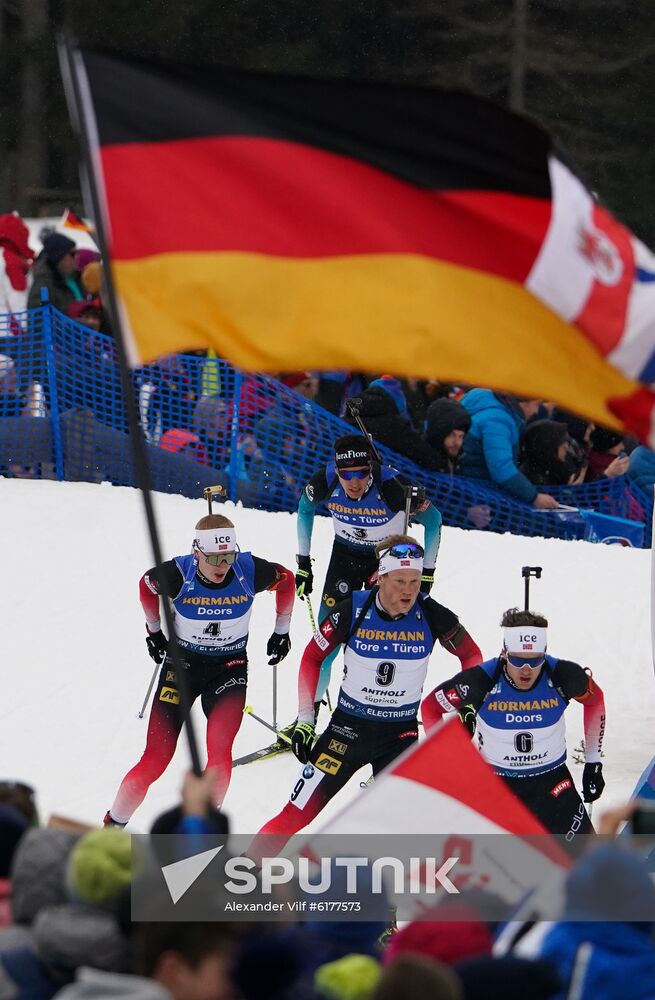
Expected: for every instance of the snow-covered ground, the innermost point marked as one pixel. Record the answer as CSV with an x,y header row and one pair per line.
x,y
75,668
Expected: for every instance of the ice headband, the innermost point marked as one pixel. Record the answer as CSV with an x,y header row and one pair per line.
x,y
525,638
216,540
388,563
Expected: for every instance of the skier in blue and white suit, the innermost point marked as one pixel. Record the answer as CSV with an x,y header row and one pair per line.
x,y
388,634
518,700
366,502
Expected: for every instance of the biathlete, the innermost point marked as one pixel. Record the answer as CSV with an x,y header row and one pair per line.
x,y
366,502
212,591
515,704
388,633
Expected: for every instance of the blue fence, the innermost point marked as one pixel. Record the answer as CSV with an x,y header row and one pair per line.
x,y
205,423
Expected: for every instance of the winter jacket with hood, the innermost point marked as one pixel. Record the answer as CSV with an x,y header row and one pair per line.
x,y
65,938
443,417
61,292
16,258
491,447
38,877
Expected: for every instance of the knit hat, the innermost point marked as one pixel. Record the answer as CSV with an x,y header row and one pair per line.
x,y
610,883
463,935
56,246
81,306
100,866
352,451
393,388
86,257
351,978
602,438
443,417
92,277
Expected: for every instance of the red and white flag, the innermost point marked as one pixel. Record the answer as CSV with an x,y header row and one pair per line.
x,y
443,788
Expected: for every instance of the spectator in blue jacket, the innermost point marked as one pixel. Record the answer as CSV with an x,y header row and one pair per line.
x,y
491,447
641,469
604,942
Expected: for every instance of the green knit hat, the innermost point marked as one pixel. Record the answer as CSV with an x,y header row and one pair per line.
x,y
351,978
100,865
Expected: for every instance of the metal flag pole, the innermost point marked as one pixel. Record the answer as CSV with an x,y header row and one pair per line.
x,y
652,589
83,120
209,493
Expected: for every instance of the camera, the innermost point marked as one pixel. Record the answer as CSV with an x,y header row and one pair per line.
x,y
576,457
642,820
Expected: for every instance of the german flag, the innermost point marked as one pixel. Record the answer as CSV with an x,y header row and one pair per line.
x,y
305,224
72,221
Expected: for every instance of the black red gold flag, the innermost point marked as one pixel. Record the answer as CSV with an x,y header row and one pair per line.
x,y
307,224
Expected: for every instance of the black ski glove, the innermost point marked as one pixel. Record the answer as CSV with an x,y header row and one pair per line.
x,y
427,579
277,648
304,577
157,644
593,782
302,741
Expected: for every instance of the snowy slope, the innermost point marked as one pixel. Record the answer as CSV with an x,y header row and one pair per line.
x,y
75,668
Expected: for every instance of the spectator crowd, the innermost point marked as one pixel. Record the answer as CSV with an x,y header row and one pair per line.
x,y
66,929
247,432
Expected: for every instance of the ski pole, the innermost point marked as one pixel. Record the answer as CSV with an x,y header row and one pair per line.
x,y
150,687
248,711
312,622
310,611
275,697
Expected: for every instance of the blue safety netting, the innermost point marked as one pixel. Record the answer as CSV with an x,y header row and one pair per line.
x,y
205,423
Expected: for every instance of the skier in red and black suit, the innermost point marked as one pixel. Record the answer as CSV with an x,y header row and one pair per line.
x,y
388,633
212,591
518,701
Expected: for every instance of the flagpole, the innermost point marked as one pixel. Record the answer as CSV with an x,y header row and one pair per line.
x,y
652,583
84,123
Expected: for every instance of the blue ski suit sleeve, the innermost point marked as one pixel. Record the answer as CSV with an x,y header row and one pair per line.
x,y
431,521
305,526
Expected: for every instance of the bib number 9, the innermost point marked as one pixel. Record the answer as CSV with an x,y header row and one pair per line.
x,y
385,674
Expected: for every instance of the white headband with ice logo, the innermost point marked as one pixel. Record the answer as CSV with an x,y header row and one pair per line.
x,y
525,639
215,540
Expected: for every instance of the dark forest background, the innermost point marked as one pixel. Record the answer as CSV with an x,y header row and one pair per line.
x,y
585,70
